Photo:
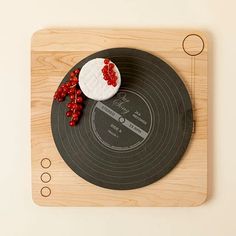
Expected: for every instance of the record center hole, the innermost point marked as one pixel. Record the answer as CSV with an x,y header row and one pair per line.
x,y
122,119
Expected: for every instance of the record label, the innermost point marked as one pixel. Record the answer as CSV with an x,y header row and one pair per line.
x,y
123,122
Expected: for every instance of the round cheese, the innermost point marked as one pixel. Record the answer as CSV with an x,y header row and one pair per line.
x,y
92,83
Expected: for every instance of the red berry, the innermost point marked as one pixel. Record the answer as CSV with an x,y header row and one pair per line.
x,y
66,90
75,119
105,69
112,73
111,65
58,95
68,84
106,74
77,71
72,74
71,108
72,96
79,99
60,90
69,105
75,115
109,82
60,99
75,80
78,92
106,77
72,91
63,94
69,113
113,79
77,107
114,83
106,61
72,123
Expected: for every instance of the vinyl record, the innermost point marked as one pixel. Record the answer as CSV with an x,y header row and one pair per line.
x,y
136,137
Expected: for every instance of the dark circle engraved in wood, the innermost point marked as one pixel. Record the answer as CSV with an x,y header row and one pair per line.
x,y
45,177
193,44
45,192
45,163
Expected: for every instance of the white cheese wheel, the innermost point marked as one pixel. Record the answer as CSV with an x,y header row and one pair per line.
x,y
93,85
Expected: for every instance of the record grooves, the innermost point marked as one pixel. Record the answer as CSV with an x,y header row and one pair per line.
x,y
134,138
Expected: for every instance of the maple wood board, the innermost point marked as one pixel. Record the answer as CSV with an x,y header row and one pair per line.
x,y
53,53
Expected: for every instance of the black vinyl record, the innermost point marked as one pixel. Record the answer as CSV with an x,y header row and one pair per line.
x,y
136,137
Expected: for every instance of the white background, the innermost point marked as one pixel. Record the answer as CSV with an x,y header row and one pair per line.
x,y
18,214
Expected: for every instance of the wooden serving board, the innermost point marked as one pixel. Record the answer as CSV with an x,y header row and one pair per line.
x,y
54,52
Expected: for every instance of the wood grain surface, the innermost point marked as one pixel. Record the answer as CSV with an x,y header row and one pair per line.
x,y
53,53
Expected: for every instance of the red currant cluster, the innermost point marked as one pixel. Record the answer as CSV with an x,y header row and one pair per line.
x,y
72,89
108,73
